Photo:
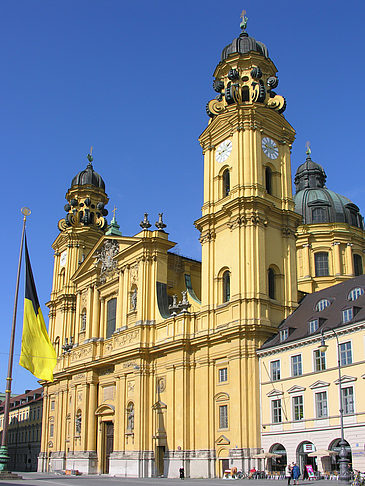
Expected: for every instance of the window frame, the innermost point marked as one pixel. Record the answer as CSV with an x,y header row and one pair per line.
x,y
275,374
298,407
355,293
296,365
223,418
110,329
344,353
321,268
276,411
222,373
347,315
284,334
226,287
346,402
319,360
321,404
314,328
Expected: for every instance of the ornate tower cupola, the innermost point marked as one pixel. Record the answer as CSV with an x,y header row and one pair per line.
x,y
86,200
245,75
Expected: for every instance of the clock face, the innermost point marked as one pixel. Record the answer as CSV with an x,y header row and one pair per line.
x,y
270,148
63,258
223,151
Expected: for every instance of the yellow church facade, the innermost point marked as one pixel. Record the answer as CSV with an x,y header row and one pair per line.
x,y
157,366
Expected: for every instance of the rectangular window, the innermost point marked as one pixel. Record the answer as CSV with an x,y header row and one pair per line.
x,y
321,264
111,317
347,315
223,375
321,404
348,400
223,417
275,370
51,430
296,365
276,411
284,333
313,326
298,409
52,404
319,360
345,354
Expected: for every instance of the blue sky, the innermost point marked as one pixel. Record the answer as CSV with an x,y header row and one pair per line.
x,y
133,79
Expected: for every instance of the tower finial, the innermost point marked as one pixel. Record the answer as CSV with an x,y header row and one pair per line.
x,y
244,20
308,148
114,210
90,157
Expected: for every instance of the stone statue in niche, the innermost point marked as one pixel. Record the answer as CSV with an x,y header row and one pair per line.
x,y
78,424
134,299
83,321
130,417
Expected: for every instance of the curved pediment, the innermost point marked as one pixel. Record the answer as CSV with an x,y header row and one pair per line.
x,y
222,396
105,409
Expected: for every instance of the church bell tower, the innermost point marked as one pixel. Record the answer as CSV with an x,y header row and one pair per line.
x,y
80,229
248,221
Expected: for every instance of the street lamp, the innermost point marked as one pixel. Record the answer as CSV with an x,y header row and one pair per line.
x,y
343,459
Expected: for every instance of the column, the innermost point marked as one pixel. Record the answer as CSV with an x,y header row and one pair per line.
x,y
337,258
102,318
349,260
96,315
120,300
119,414
91,423
89,312
306,260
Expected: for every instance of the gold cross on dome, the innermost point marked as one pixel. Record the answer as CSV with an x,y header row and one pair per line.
x,y
114,212
243,14
308,147
91,150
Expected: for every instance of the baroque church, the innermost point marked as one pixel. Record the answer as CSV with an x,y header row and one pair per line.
x,y
157,366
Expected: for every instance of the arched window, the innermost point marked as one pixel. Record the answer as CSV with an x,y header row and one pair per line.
x,y
83,320
271,283
319,215
226,286
321,264
268,180
130,416
111,317
226,183
357,265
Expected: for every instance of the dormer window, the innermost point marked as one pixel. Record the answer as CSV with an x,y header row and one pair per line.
x,y
284,334
355,293
322,304
347,315
319,215
313,325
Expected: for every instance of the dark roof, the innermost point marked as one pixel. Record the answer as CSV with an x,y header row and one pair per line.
x,y
88,177
19,401
311,193
329,318
244,44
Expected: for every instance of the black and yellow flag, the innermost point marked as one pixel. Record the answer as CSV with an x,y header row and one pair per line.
x,y
37,354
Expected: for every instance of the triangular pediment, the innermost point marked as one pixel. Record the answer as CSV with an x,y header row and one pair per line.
x,y
88,265
274,393
159,405
319,384
222,440
346,379
296,389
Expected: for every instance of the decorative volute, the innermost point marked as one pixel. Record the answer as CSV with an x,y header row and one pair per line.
x,y
245,75
86,201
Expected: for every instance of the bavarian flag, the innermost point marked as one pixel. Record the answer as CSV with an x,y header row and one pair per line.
x,y
37,354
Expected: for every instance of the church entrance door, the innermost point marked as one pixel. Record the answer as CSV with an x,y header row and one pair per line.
x,y
109,444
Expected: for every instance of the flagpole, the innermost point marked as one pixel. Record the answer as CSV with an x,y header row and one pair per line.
x,y
4,457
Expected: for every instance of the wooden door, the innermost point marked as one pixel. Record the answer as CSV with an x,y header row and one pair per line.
x,y
109,444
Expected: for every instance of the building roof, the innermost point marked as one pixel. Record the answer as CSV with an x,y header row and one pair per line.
x,y
18,401
311,194
331,317
88,176
244,44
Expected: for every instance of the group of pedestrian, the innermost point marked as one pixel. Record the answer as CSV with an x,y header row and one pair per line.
x,y
292,472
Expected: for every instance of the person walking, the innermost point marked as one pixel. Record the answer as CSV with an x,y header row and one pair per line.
x,y
296,473
288,472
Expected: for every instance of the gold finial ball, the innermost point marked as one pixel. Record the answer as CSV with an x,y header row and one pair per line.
x,y
25,211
